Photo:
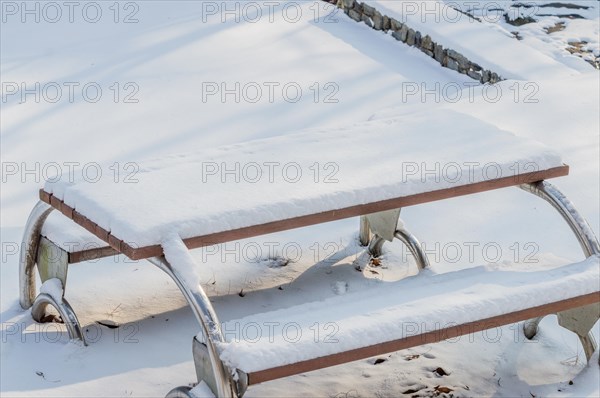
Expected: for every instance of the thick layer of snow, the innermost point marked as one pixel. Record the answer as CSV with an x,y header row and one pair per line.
x,y
69,236
299,174
182,261
397,310
54,288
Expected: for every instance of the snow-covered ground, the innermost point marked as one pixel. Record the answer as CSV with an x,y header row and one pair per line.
x,y
557,28
162,79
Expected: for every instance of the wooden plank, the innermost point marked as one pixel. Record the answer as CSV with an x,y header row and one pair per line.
x,y
55,202
420,339
115,243
353,211
67,211
101,233
45,196
91,254
140,253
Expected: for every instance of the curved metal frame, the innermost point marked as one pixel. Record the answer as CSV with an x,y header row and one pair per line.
x,y
180,392
28,255
585,236
211,328
376,246
38,311
589,346
414,246
27,265
530,329
411,241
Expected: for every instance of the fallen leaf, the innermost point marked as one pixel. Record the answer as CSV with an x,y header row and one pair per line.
x,y
375,262
443,390
440,372
51,318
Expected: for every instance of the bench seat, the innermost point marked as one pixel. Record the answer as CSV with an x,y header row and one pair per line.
x,y
345,172
398,315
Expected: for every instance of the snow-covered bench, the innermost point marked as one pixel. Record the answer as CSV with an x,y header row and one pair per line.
x,y
370,170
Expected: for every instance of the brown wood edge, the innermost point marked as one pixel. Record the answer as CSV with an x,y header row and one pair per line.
x,y
115,244
139,253
87,253
91,254
420,339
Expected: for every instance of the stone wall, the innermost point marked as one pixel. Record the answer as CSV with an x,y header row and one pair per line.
x,y
447,57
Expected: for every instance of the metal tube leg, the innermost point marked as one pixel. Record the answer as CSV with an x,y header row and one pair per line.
x,y
180,392
364,232
589,346
38,311
376,246
578,320
414,246
28,256
52,263
224,386
571,320
386,225
530,327
584,234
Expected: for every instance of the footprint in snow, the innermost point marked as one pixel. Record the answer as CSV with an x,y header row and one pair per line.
x,y
339,287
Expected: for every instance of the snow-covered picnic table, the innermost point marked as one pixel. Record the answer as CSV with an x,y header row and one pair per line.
x,y
370,170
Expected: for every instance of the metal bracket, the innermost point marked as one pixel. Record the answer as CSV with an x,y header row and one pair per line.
x,y
204,370
376,228
580,321
577,320
202,364
52,262
384,224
